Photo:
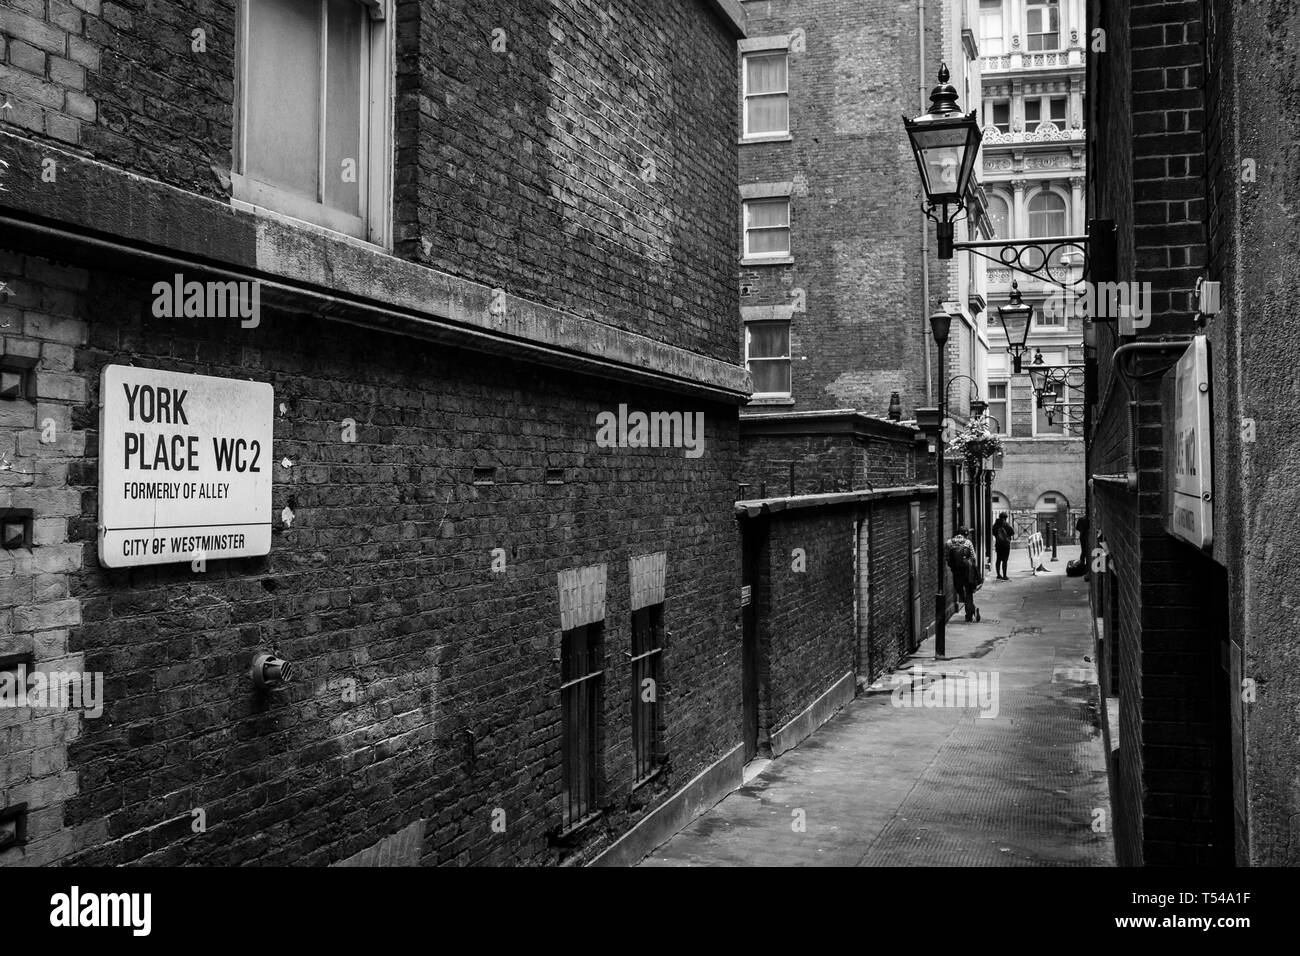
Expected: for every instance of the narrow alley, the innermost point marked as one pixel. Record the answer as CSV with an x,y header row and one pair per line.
x,y
894,780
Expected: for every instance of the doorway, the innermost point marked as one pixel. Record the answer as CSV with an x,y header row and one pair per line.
x,y
914,576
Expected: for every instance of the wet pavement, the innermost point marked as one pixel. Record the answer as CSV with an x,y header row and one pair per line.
x,y
993,757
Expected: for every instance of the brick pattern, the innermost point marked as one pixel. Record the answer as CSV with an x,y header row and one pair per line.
x,y
42,449
589,149
854,241
1168,652
427,687
49,53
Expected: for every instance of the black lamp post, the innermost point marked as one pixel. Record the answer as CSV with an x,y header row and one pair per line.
x,y
1015,323
940,324
945,143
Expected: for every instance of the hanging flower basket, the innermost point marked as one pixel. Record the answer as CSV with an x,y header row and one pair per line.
x,y
975,444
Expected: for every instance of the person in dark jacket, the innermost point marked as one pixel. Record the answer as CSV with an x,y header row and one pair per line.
x,y
1002,535
960,553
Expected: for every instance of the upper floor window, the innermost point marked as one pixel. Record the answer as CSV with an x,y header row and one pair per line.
x,y
991,42
1042,25
1043,109
767,356
311,134
997,410
1046,215
999,216
767,228
997,113
767,93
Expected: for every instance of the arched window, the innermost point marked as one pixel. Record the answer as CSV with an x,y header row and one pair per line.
x,y
1046,214
1047,218
999,216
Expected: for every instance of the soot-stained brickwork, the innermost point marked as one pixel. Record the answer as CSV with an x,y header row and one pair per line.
x,y
429,487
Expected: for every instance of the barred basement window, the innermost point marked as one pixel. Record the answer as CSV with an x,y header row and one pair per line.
x,y
312,136
647,685
581,699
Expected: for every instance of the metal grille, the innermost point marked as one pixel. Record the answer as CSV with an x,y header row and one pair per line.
x,y
647,670
581,687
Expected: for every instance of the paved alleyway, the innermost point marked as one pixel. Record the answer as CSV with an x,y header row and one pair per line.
x,y
885,785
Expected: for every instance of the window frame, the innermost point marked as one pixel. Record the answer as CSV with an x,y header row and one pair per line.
x,y
746,96
771,358
590,720
1001,37
1003,419
1047,7
374,164
747,228
648,753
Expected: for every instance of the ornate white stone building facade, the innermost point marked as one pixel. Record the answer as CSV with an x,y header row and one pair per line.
x,y
1031,55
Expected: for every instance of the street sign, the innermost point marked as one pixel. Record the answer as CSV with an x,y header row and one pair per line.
x,y
1190,514
184,467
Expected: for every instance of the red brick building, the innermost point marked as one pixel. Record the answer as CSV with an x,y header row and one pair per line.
x,y
1188,134
475,228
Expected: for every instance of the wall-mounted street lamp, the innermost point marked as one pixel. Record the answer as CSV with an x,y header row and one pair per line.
x,y
1015,316
945,143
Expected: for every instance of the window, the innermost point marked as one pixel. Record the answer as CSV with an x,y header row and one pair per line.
x,y
647,683
1058,105
1033,113
1047,218
311,129
767,356
991,43
999,214
997,113
767,228
1042,25
1049,318
998,408
581,698
767,93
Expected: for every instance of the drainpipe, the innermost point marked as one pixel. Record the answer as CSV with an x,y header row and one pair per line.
x,y
925,231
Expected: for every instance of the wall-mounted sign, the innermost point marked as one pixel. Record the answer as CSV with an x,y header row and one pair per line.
x,y
1191,511
184,467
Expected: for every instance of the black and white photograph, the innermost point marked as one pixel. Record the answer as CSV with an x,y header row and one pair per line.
x,y
659,434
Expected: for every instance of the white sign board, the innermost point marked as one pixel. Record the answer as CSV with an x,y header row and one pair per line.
x,y
1191,514
184,467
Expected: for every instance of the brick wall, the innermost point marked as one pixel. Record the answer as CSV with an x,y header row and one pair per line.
x,y
428,693
497,154
806,626
381,584
855,231
1149,119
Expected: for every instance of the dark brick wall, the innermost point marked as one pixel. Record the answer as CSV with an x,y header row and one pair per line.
x,y
1148,120
806,624
855,231
1253,199
828,462
523,169
383,578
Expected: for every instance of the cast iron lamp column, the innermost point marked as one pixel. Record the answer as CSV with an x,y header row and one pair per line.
x,y
940,323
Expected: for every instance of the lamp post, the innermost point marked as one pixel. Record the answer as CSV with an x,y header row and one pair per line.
x,y
945,143
940,324
1014,317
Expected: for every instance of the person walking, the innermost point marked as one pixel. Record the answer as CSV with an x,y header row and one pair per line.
x,y
963,564
1002,535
